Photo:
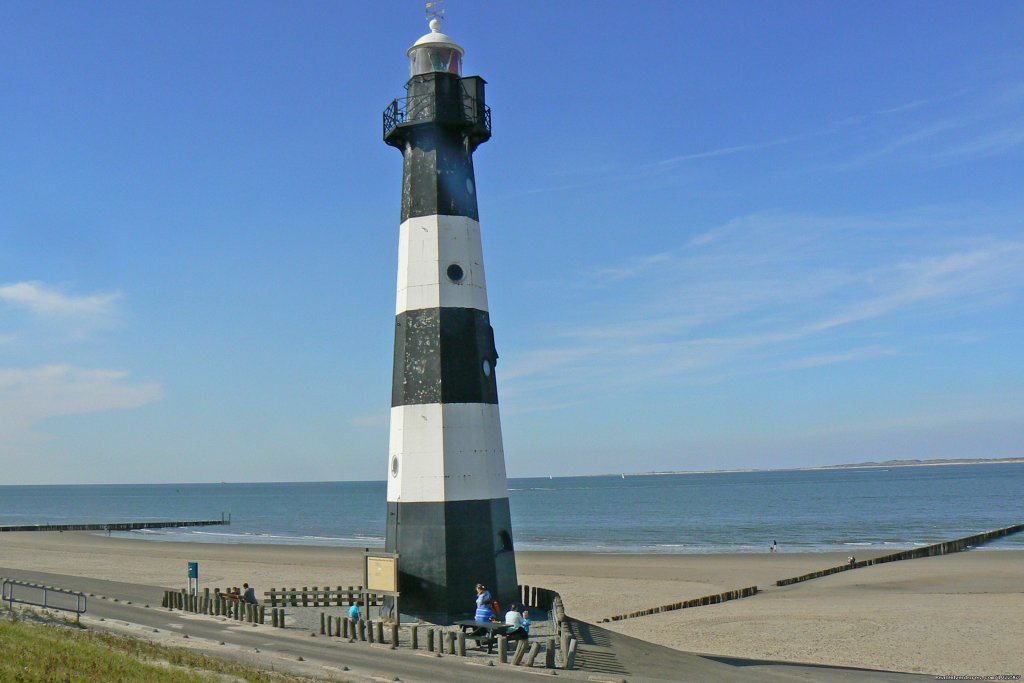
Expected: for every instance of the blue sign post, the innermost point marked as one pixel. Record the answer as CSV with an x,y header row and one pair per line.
x,y
193,575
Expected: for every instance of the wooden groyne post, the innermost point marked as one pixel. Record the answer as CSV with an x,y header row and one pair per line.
x,y
116,526
954,546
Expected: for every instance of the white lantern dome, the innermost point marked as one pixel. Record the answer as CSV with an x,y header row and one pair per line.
x,y
435,52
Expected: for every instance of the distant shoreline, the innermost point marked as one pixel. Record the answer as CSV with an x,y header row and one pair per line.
x,y
870,464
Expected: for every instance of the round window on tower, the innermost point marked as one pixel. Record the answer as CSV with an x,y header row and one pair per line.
x,y
455,272
394,466
487,368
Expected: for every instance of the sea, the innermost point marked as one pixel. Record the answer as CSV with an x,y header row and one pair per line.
x,y
718,512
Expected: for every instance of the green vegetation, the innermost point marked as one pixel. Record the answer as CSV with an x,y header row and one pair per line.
x,y
45,653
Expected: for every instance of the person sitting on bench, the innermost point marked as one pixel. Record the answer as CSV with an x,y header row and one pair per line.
x,y
514,618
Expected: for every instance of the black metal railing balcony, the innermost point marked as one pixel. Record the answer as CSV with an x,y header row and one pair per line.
x,y
426,107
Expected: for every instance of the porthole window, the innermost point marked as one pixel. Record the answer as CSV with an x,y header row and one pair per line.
x,y
469,185
455,272
394,466
487,368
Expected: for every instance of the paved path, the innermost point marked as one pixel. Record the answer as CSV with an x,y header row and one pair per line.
x,y
603,656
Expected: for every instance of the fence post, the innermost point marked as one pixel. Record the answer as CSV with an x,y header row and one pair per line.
x,y
414,636
380,631
549,654
394,636
534,649
430,639
517,659
462,643
503,649
450,637
570,655
323,629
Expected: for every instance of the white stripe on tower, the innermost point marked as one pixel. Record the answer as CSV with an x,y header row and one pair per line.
x,y
427,247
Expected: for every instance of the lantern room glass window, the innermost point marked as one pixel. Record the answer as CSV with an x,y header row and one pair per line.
x,y
430,58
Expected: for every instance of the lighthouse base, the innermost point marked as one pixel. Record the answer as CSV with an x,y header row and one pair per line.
x,y
445,549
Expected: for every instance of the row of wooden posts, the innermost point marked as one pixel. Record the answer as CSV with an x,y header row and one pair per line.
x,y
686,604
443,641
341,597
531,596
954,546
219,604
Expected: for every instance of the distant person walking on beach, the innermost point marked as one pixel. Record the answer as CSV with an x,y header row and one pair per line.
x,y
774,547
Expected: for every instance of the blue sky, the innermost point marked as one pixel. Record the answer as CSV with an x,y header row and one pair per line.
x,y
717,235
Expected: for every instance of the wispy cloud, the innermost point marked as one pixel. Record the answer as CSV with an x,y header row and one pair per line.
x,y
55,309
30,396
50,302
768,293
953,127
994,143
736,149
375,421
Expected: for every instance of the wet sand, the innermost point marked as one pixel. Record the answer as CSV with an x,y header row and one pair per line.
x,y
960,614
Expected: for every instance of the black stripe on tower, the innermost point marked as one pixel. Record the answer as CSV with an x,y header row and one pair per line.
x,y
442,540
438,175
444,355
443,122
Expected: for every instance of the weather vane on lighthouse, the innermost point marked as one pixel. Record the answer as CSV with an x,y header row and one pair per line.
x,y
448,510
435,10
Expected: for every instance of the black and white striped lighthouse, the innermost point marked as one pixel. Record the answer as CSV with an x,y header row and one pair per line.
x,y
448,510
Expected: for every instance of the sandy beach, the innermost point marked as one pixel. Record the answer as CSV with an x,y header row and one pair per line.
x,y
958,614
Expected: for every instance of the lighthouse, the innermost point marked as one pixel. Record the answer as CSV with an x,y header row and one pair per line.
x,y
448,510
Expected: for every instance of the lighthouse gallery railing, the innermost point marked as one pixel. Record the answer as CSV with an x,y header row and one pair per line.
x,y
424,108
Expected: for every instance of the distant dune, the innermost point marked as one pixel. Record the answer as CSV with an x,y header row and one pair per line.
x,y
848,466
918,463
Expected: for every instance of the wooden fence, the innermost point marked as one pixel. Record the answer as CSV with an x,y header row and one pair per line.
x,y
317,597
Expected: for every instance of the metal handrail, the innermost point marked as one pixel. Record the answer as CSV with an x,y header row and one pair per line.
x,y
7,595
421,108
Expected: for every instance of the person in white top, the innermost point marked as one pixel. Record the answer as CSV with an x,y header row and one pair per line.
x,y
514,618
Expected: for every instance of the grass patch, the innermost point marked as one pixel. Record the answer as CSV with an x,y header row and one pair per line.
x,y
47,653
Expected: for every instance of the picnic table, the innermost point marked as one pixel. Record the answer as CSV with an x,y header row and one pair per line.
x,y
492,629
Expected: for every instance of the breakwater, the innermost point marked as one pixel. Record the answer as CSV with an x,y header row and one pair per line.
x,y
687,604
955,546
117,526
